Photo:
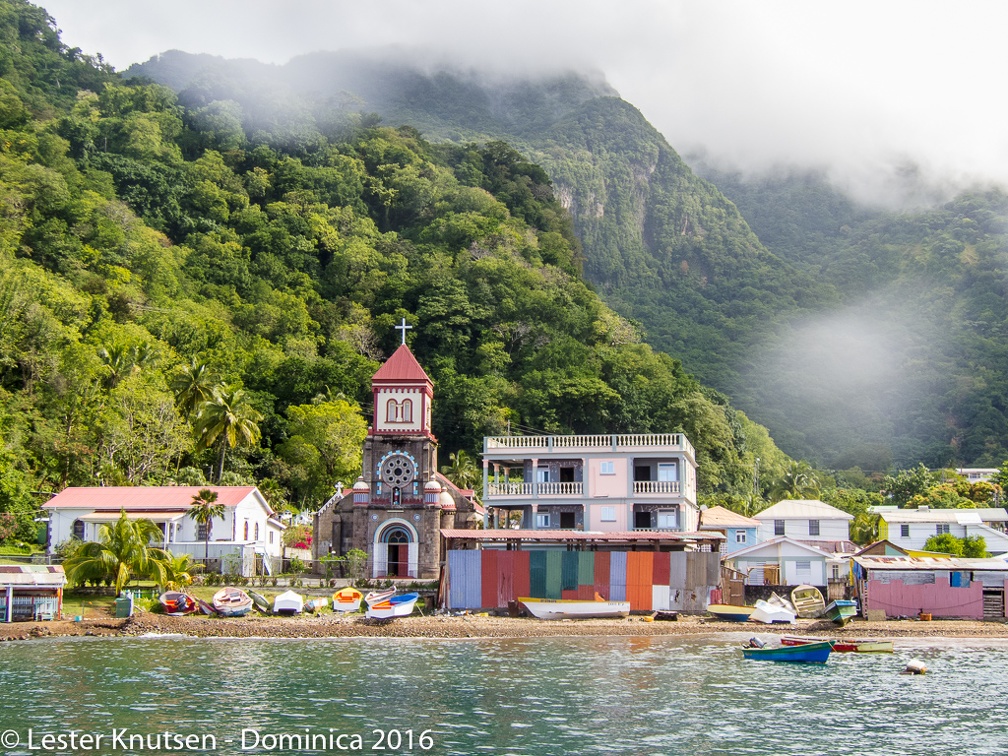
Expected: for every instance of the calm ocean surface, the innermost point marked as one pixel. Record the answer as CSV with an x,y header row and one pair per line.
x,y
536,696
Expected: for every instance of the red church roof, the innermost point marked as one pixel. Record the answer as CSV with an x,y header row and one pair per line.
x,y
401,366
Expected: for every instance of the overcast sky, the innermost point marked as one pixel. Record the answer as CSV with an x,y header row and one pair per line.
x,y
864,88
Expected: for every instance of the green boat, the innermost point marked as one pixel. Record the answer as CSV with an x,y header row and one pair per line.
x,y
808,653
841,611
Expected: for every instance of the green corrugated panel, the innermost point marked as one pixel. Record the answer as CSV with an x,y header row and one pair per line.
x,y
569,567
537,574
586,568
554,574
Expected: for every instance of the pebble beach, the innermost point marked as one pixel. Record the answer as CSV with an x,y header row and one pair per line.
x,y
329,625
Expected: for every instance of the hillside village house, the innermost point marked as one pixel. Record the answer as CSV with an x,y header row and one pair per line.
x,y
806,520
599,483
249,532
739,531
911,528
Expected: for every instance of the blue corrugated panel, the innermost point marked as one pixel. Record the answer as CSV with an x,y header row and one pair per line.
x,y
569,564
617,576
466,588
537,574
553,566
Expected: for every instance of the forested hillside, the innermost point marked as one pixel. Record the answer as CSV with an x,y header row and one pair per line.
x,y
935,282
186,302
859,337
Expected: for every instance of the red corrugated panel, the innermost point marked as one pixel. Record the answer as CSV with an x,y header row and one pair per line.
x,y
570,593
601,574
640,569
662,568
521,580
585,592
488,573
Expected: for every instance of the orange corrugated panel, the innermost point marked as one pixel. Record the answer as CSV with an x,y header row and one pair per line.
x,y
488,573
662,568
601,585
640,571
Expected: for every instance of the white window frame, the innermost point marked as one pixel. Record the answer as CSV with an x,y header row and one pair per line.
x,y
664,515
816,527
781,530
668,472
542,520
607,467
905,530
542,475
740,536
941,527
607,514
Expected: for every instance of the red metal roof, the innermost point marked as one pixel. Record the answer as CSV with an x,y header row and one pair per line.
x,y
142,498
506,534
401,366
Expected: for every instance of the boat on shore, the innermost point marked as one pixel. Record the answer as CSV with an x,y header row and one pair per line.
x,y
398,605
772,613
261,602
288,603
347,600
841,611
176,603
808,653
314,605
232,602
846,645
549,609
379,597
731,612
808,601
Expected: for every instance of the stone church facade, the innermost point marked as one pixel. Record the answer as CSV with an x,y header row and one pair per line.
x,y
398,506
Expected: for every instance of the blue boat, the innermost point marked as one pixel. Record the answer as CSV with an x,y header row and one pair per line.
x,y
810,653
841,611
731,612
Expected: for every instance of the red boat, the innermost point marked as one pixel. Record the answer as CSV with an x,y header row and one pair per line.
x,y
176,603
843,646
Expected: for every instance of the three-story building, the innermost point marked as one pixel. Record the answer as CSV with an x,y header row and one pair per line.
x,y
603,483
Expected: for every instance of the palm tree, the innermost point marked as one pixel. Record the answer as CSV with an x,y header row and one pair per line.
x,y
193,386
178,572
463,471
122,552
204,510
227,416
797,482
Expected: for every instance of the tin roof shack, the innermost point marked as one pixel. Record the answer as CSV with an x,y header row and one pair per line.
x,y
30,592
906,586
653,570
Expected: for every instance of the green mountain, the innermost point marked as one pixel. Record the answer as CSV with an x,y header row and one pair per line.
x,y
183,301
858,337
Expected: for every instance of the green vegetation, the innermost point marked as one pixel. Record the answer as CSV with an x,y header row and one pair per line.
x,y
970,546
123,553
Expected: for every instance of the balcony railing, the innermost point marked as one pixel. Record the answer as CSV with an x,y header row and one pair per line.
x,y
611,442
656,487
535,489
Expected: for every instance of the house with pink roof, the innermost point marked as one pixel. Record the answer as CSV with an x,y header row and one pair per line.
x,y
246,539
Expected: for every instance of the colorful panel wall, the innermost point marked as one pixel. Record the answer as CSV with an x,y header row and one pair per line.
x,y
490,579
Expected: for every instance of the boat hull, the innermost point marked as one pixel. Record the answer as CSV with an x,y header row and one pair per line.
x,y
730,612
808,653
400,605
288,603
232,602
176,604
841,612
808,601
770,614
347,600
846,646
550,609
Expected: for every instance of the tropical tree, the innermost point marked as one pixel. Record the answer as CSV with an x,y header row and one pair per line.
x,y
204,510
193,386
463,471
798,481
178,571
122,552
228,417
945,543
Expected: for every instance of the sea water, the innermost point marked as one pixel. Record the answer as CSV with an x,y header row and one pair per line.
x,y
626,695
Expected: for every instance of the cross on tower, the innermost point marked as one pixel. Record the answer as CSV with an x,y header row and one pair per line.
x,y
403,327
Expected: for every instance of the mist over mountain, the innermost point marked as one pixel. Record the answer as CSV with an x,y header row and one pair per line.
x,y
827,324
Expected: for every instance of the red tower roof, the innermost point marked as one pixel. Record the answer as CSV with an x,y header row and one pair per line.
x,y
401,366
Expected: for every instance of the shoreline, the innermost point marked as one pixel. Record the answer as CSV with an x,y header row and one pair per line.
x,y
479,626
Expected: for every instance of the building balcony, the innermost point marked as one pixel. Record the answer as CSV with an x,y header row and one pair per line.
x,y
664,487
534,490
617,442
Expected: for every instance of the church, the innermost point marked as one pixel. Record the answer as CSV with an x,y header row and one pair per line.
x,y
398,506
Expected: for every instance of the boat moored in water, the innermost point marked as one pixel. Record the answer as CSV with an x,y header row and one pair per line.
x,y
809,653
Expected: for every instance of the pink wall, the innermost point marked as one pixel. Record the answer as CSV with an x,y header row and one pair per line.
x,y
939,598
614,486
